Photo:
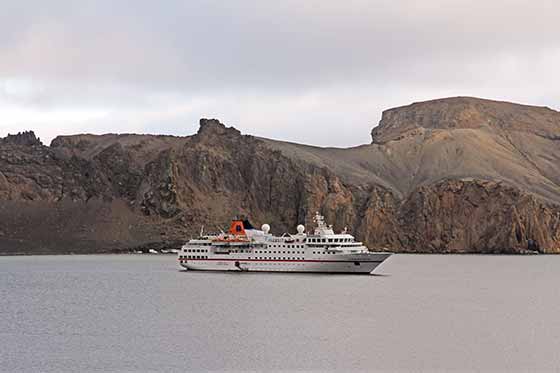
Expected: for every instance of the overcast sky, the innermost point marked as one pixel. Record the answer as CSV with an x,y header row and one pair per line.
x,y
317,72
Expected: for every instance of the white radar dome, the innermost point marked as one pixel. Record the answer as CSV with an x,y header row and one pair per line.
x,y
300,229
265,228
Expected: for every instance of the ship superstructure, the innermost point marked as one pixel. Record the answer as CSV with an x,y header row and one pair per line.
x,y
244,248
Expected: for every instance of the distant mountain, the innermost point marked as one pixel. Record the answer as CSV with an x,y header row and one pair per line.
x,y
450,175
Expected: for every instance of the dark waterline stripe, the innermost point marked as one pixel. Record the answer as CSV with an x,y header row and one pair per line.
x,y
285,260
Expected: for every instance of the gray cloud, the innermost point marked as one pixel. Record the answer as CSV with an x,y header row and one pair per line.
x,y
310,71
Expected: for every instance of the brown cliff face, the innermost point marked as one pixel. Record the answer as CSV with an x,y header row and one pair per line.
x,y
478,216
454,175
466,113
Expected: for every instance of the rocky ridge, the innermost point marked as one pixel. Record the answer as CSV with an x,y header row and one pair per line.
x,y
453,175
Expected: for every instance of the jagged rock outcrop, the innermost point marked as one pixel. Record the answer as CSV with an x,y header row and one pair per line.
x,y
451,175
22,138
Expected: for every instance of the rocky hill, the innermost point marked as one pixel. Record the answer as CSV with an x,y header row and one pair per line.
x,y
450,175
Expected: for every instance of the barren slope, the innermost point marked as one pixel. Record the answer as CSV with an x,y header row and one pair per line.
x,y
459,137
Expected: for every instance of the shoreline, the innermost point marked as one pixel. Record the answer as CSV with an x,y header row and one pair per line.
x,y
169,254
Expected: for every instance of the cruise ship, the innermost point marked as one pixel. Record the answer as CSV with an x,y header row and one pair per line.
x,y
244,248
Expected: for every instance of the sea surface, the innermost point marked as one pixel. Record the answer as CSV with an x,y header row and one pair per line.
x,y
141,313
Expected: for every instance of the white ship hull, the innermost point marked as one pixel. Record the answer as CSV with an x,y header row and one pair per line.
x,y
246,249
360,263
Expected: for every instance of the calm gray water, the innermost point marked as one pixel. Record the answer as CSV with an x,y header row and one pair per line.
x,y
139,313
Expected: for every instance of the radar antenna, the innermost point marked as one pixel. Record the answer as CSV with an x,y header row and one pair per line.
x,y
319,220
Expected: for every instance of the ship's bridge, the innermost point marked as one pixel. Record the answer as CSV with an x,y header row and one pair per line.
x,y
337,239
336,243
325,233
